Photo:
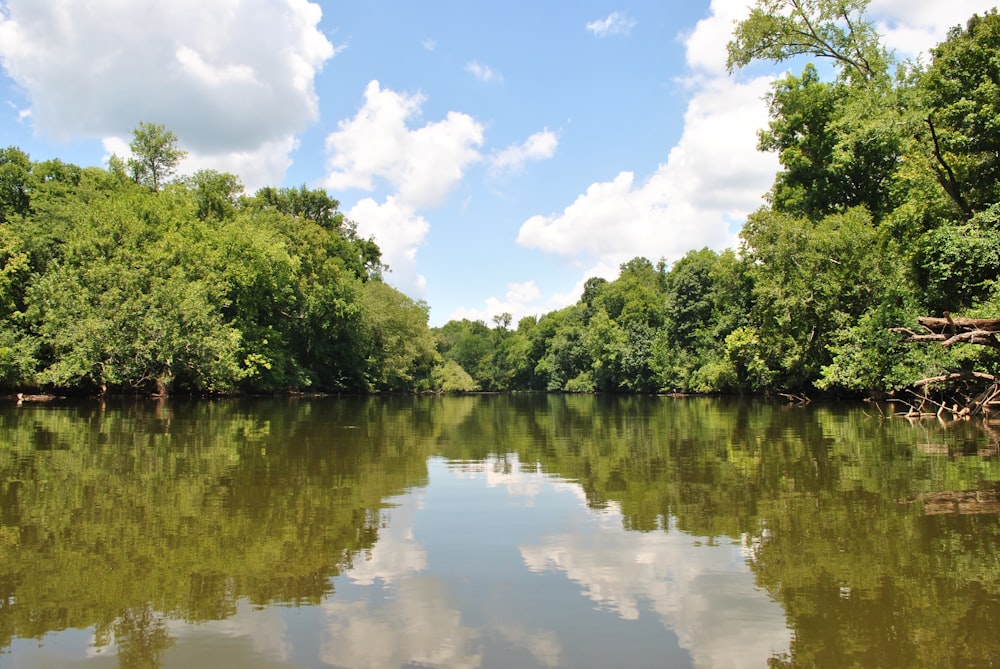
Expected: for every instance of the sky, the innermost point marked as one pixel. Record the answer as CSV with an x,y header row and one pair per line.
x,y
499,153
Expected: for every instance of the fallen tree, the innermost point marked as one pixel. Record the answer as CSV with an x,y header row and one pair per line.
x,y
959,393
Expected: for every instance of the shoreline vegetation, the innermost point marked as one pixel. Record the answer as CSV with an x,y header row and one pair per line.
x,y
883,223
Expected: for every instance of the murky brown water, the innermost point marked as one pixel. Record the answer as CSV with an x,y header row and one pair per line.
x,y
494,531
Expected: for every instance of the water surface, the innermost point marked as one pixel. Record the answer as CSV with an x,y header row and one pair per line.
x,y
494,531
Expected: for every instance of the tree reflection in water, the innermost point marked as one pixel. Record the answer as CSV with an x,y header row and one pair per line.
x,y
878,539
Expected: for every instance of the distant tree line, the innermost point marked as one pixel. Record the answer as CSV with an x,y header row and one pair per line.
x,y
886,208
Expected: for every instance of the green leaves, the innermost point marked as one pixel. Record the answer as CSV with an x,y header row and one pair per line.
x,y
128,284
961,97
400,348
155,155
777,30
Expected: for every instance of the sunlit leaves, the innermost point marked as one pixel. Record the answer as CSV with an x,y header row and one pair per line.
x,y
155,155
777,30
961,94
185,287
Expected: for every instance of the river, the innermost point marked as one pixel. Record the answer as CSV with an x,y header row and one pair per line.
x,y
495,531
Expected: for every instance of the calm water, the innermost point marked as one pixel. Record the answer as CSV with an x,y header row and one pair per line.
x,y
524,531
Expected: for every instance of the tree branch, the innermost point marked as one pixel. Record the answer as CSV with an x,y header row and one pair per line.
x,y
947,177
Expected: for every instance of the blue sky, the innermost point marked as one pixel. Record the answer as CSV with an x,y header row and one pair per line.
x,y
500,153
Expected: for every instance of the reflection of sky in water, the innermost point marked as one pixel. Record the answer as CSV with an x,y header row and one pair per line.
x,y
491,565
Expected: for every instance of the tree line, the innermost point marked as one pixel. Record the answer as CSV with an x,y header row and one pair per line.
x,y
886,208
129,280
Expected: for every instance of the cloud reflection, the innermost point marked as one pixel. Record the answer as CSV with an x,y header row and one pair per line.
x,y
704,594
417,625
396,554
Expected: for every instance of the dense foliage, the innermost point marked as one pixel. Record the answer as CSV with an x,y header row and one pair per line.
x,y
122,280
887,207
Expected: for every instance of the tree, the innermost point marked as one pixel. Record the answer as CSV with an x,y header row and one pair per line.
x,y
363,256
839,146
777,30
502,321
15,174
216,193
401,353
958,264
810,282
155,155
961,96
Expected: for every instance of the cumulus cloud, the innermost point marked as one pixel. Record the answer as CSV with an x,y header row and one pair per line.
x,y
399,231
422,164
232,79
698,197
521,299
705,46
539,146
911,27
526,299
713,177
483,72
617,23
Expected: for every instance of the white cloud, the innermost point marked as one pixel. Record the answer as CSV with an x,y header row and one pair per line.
x,y
234,80
714,176
521,299
710,181
911,27
483,72
617,23
422,165
539,146
399,231
526,299
705,46
264,165
429,44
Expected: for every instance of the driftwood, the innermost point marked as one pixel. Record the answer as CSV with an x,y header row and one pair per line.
x,y
950,331
964,393
795,399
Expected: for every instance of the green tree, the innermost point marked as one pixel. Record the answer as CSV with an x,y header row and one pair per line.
x,y
155,155
810,281
839,146
15,183
469,344
777,30
133,304
216,193
957,265
361,255
401,353
961,102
